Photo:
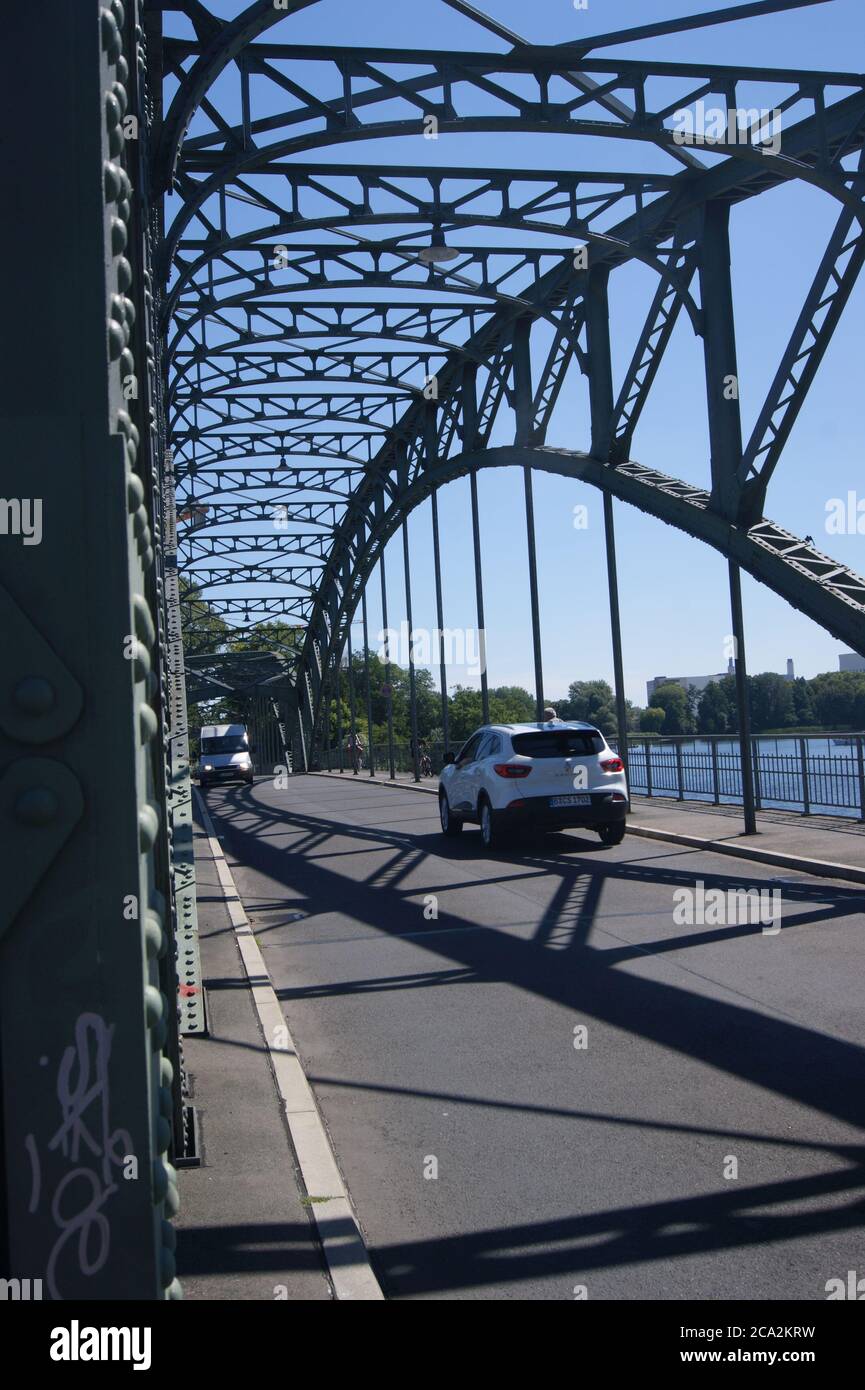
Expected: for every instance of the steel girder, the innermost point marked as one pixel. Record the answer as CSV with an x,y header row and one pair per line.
x,y
241,309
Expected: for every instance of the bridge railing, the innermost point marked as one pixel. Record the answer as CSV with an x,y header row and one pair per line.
x,y
816,774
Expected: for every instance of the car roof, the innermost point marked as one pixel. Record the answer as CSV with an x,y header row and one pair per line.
x,y
221,730
549,724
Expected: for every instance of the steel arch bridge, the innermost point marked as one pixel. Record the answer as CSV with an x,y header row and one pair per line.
x,y
242,353
341,339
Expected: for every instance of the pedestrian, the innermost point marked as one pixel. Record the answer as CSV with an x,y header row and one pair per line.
x,y
355,751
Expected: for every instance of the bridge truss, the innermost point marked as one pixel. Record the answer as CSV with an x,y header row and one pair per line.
x,y
343,338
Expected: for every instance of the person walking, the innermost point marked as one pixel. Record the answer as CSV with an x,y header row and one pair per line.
x,y
355,752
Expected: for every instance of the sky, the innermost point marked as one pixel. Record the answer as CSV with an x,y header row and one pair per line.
x,y
674,592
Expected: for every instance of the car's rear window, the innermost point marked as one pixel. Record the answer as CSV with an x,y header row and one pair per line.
x,y
558,743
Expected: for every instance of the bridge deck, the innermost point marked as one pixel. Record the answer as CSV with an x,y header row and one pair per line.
x,y
454,1039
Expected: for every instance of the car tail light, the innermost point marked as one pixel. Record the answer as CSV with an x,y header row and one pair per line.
x,y
511,769
519,802
613,765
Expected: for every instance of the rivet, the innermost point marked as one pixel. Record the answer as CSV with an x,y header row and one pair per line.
x,y
37,806
34,695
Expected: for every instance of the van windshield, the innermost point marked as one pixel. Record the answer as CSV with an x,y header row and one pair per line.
x,y
234,744
558,743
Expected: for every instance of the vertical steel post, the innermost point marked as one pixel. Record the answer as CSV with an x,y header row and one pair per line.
x,y
601,403
370,752
387,684
648,747
725,436
616,633
339,747
440,621
680,772
327,703
412,684
470,430
742,701
351,701
479,595
755,757
860,771
522,370
806,789
533,595
719,349
716,790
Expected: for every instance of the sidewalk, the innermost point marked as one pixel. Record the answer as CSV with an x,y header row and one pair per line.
x,y
831,846
244,1229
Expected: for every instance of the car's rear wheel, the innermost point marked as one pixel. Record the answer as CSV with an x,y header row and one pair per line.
x,y
491,835
451,826
612,834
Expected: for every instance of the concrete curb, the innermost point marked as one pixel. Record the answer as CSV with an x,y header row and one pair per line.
x,y
820,868
363,778
347,1258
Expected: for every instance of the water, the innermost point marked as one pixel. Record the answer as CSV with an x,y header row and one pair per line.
x,y
826,781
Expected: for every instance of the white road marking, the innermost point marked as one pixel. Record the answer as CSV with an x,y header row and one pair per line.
x,y
347,1258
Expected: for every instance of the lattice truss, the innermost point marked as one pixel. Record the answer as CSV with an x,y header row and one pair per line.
x,y
343,338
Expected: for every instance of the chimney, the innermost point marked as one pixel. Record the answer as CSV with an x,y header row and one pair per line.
x,y
791,674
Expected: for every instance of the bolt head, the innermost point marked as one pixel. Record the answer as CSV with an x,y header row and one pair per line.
x,y
34,695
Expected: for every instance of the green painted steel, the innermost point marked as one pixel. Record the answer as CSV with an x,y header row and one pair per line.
x,y
87,971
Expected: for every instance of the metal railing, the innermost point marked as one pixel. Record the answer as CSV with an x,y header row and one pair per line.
x,y
816,774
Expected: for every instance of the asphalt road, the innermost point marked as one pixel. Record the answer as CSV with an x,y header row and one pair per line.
x,y
445,1044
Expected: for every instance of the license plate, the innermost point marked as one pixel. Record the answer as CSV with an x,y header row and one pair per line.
x,y
570,801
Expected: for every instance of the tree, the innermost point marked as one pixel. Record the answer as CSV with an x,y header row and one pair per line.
x,y
652,719
203,630
671,698
591,701
633,714
803,703
276,636
839,698
771,702
713,710
510,704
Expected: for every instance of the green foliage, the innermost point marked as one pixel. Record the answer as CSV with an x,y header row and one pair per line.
x,y
281,638
771,702
591,701
673,700
652,719
714,715
839,699
203,630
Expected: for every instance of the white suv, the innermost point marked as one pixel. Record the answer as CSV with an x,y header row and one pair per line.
x,y
536,777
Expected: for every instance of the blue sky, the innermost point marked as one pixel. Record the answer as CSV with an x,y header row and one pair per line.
x,y
673,590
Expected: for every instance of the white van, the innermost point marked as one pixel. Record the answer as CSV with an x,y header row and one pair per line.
x,y
225,754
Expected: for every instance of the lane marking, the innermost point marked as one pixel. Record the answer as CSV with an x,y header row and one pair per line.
x,y
344,1249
